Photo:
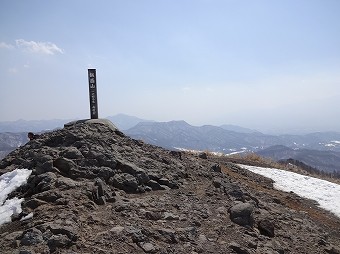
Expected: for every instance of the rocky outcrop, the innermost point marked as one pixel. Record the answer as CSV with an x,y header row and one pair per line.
x,y
95,190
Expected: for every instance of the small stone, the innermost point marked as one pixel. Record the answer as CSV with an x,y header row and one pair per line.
x,y
222,210
72,153
170,216
58,241
202,238
117,229
154,185
266,228
242,214
150,215
63,164
216,168
332,249
203,156
147,247
32,236
238,248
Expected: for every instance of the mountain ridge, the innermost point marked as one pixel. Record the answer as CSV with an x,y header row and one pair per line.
x,y
95,190
319,150
180,134
311,139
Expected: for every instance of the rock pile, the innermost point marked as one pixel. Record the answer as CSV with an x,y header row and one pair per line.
x,y
95,190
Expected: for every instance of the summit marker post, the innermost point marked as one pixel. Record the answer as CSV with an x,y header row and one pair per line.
x,y
93,93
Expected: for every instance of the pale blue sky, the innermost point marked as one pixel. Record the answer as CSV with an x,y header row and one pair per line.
x,y
273,65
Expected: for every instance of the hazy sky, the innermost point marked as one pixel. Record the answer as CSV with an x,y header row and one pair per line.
x,y
263,64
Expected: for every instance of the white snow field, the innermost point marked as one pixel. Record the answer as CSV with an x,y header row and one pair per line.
x,y
327,194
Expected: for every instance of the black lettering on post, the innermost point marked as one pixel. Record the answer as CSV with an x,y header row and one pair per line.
x,y
93,93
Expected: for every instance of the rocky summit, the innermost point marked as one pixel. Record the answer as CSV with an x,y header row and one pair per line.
x,y
95,190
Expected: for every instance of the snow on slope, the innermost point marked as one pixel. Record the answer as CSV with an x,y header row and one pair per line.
x,y
8,183
327,194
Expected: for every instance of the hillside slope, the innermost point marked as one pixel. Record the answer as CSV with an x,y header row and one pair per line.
x,y
95,190
10,141
327,161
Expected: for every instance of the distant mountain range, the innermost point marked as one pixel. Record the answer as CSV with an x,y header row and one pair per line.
x,y
34,125
125,122
122,121
179,134
230,127
218,139
320,150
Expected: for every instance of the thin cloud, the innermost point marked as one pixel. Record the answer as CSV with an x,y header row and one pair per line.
x,y
13,70
47,48
5,45
186,89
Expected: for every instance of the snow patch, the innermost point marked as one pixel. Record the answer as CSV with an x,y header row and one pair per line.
x,y
237,152
327,194
8,183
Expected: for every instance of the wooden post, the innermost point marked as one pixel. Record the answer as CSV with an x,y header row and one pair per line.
x,y
93,93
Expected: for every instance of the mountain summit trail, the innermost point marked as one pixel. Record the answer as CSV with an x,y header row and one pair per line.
x,y
94,190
